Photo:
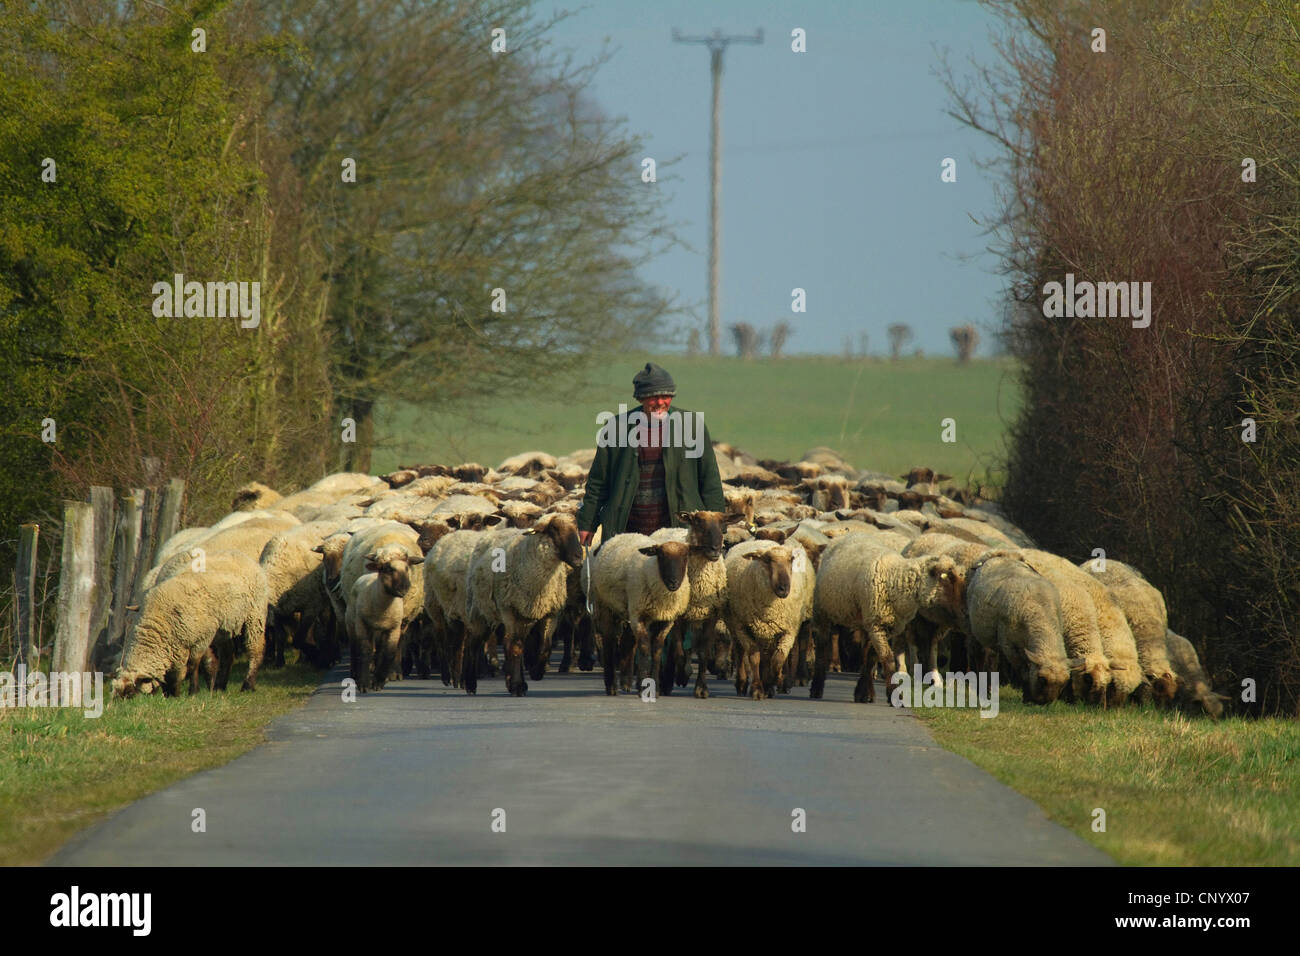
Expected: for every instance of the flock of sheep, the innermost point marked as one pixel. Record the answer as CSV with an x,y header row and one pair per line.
x,y
813,568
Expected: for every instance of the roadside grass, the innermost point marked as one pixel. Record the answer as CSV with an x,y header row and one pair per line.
x,y
878,414
1176,791
61,771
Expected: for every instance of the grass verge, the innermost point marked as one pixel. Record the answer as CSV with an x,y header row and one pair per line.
x,y
1176,791
61,771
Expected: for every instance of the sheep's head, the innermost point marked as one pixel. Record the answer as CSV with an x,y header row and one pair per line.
x,y
1089,681
1164,687
944,587
253,496
671,557
429,530
393,565
707,529
1045,683
778,562
331,552
771,534
562,531
126,684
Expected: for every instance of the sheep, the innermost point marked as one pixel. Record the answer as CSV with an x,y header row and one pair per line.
x,y
1096,633
343,483
707,573
463,504
180,541
827,492
529,464
184,615
356,555
865,587
1144,607
254,495
769,590
291,561
445,597
1016,611
636,581
1194,688
518,580
376,612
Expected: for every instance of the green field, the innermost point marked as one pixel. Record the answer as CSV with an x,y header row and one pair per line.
x,y
878,414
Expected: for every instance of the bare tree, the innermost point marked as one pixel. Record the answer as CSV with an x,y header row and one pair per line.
x,y
747,339
964,339
693,342
862,345
780,332
900,333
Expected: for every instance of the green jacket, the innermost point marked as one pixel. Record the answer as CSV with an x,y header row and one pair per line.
x,y
692,484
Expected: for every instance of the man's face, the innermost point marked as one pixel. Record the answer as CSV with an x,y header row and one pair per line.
x,y
656,405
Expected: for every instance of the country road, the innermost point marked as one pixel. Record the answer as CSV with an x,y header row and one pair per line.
x,y
415,775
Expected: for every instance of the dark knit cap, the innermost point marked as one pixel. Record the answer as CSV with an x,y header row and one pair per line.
x,y
652,380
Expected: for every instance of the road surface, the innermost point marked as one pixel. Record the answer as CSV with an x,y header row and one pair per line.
x,y
424,774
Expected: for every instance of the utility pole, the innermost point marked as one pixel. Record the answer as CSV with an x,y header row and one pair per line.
x,y
716,44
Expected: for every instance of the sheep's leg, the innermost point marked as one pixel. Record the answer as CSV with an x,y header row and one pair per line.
x,y
835,652
643,666
466,657
822,639
704,655
255,637
362,658
387,652
683,669
659,636
192,668
490,649
514,663
627,648
457,652
740,657
754,660
610,654
546,628
586,643
672,650
780,678
877,647
172,680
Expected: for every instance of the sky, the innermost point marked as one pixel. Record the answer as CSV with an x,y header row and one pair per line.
x,y
831,161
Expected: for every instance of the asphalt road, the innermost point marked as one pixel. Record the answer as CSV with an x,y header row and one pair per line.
x,y
419,773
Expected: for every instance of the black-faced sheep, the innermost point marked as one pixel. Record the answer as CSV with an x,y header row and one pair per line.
x,y
637,583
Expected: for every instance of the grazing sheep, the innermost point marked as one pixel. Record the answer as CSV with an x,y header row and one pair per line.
x,y
522,586
1194,690
636,581
1015,611
1144,608
185,614
707,573
1096,633
769,587
254,495
864,587
376,611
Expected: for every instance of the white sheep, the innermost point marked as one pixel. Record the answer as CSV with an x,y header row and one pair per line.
x,y
185,614
376,611
356,554
253,496
291,561
1144,607
769,597
707,572
1093,623
523,585
446,600
1015,611
636,582
866,588
1194,690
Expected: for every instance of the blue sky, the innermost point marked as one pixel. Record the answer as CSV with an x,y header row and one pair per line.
x,y
831,160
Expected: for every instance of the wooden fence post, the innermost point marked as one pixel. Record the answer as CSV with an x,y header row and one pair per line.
x,y
25,590
148,532
169,514
128,546
76,586
101,502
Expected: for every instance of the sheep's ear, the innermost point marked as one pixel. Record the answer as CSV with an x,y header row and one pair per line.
x,y
685,516
144,685
650,551
735,519
754,555
453,522
371,566
943,477
319,549
491,520
419,560
133,607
